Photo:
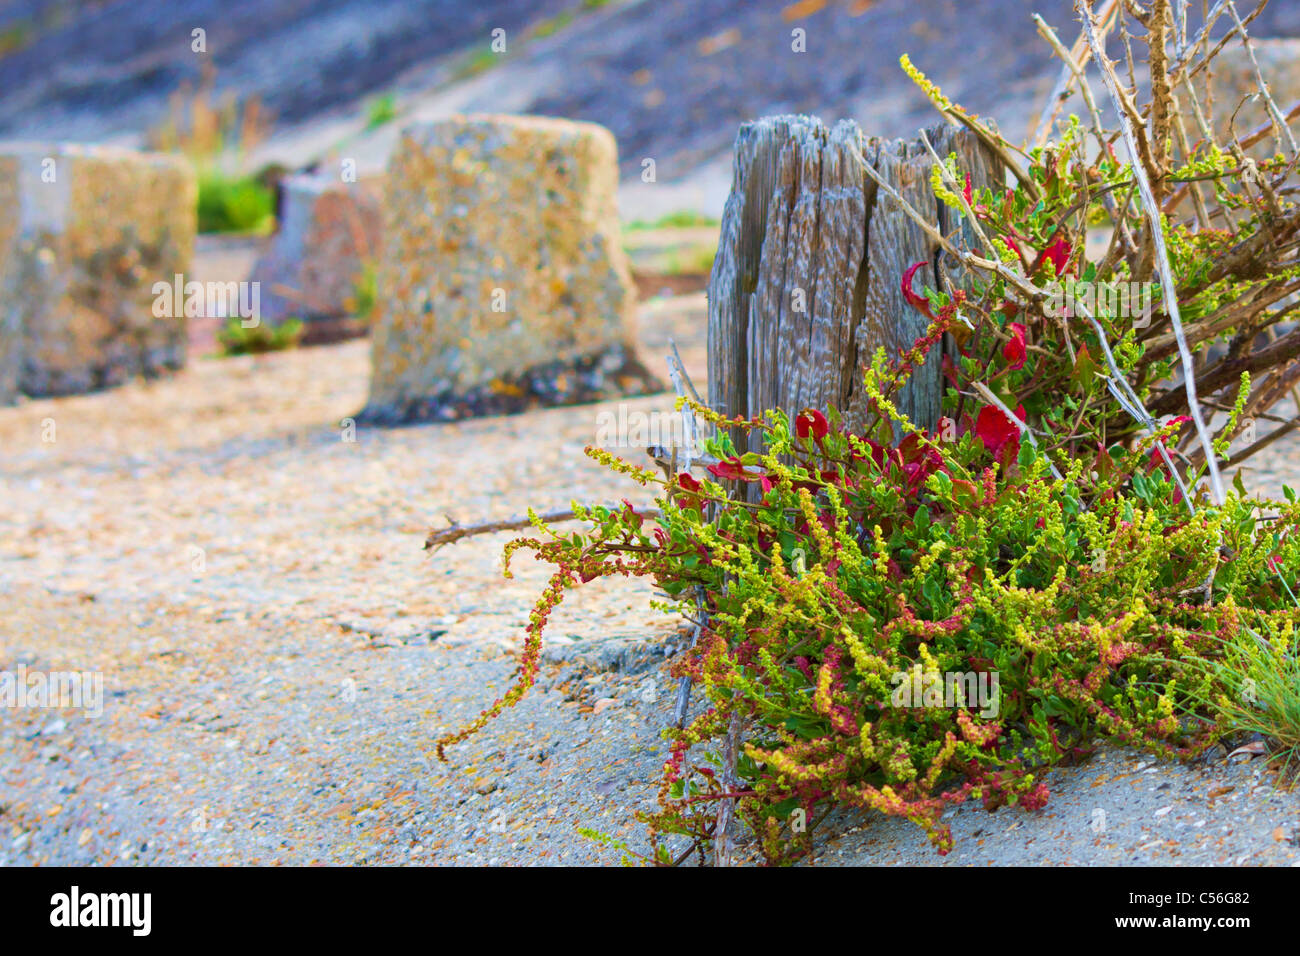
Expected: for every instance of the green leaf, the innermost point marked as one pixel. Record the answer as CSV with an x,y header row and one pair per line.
x,y
1085,369
964,495
921,520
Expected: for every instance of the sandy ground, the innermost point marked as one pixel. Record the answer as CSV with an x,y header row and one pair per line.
x,y
278,653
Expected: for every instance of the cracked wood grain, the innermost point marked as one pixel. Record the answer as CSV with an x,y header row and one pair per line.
x,y
806,284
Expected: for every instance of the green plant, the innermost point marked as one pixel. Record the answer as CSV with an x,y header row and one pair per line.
x,y
204,128
236,339
552,25
1258,692
698,260
234,203
380,111
1108,336
476,62
1061,527
365,292
867,566
15,37
678,219
482,59
215,136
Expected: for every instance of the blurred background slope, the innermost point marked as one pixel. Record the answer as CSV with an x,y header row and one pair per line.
x,y
671,78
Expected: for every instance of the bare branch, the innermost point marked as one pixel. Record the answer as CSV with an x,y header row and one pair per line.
x,y
438,537
1156,228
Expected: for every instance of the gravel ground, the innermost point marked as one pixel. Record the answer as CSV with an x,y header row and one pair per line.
x,y
279,654
1120,808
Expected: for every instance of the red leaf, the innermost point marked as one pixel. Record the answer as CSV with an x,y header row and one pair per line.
x,y
1014,351
918,302
964,494
995,429
635,518
1156,458
811,422
1058,253
949,369
733,470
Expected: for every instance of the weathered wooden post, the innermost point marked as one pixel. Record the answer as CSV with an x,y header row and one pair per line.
x,y
807,280
807,283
